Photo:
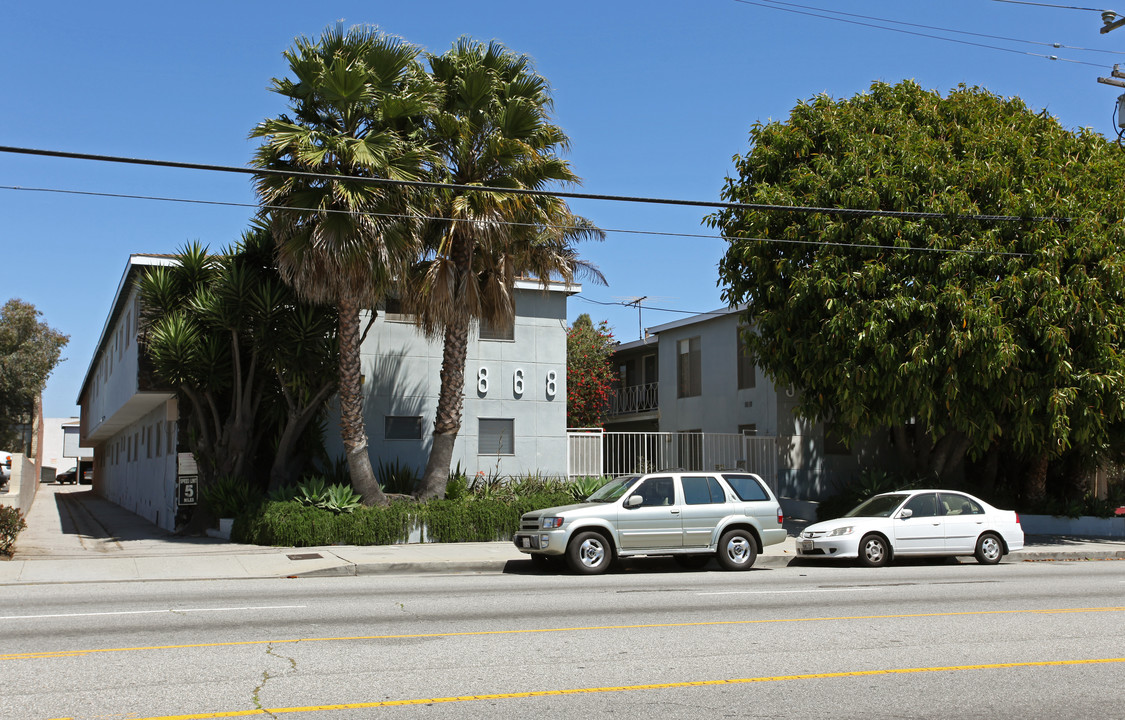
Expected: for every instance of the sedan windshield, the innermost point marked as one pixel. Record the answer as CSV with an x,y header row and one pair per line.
x,y
878,506
614,489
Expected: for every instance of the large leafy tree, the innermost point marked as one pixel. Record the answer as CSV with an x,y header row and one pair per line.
x,y
491,127
29,351
252,364
356,98
589,374
958,335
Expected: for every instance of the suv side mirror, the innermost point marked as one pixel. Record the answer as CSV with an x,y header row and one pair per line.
x,y
906,513
634,501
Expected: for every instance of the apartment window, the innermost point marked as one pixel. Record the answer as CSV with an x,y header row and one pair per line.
x,y
392,311
750,429
159,438
168,429
689,372
400,427
148,442
505,331
746,374
496,436
835,439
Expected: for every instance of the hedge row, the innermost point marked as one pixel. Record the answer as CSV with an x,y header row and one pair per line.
x,y
469,519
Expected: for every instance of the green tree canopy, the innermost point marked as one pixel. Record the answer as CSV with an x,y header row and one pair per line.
x,y
589,374
357,99
252,364
958,334
29,351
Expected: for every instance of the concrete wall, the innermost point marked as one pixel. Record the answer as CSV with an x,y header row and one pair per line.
x,y
136,468
23,484
523,379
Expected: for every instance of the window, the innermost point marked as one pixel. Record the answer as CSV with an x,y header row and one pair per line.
x,y
489,331
159,438
400,427
689,373
392,311
746,375
747,487
750,429
836,439
657,491
495,436
703,490
924,505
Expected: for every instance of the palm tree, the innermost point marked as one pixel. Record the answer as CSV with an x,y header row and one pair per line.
x,y
356,99
491,127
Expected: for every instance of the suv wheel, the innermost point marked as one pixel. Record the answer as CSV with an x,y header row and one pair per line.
x,y
737,550
589,553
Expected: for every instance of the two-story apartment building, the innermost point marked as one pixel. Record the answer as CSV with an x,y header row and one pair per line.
x,y
695,377
514,414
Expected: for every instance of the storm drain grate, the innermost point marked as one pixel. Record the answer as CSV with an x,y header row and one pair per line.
x,y
305,556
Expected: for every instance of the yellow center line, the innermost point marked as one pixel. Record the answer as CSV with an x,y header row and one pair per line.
x,y
530,631
627,688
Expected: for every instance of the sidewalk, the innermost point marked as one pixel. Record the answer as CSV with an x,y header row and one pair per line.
x,y
75,536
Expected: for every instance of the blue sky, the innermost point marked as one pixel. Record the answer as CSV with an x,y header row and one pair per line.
x,y
656,97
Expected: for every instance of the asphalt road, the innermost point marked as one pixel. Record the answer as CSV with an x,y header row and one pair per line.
x,y
1027,640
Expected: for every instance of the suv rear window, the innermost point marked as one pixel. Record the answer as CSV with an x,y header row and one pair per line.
x,y
702,490
747,487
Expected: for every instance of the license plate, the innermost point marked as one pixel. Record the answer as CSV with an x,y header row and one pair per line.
x,y
806,544
526,542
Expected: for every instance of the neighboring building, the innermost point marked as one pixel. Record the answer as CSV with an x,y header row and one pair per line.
x,y
695,377
61,447
514,418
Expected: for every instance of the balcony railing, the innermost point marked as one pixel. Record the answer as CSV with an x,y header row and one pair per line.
x,y
634,399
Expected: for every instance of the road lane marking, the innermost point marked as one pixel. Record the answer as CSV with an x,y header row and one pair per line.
x,y
149,612
533,631
782,592
630,688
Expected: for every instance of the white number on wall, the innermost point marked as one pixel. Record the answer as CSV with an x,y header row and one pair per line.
x,y
552,383
482,381
517,382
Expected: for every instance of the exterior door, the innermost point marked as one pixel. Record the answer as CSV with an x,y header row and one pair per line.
x,y
705,505
964,521
655,524
924,530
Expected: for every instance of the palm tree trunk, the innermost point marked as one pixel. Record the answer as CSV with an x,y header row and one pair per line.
x,y
352,428
1035,483
447,418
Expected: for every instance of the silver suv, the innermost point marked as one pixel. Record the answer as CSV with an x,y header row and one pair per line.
x,y
692,516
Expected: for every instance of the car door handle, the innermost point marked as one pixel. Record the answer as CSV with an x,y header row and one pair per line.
x,y
675,512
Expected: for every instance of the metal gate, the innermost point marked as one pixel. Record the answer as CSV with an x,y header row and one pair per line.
x,y
593,452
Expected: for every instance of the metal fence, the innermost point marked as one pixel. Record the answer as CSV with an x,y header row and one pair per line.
x,y
596,452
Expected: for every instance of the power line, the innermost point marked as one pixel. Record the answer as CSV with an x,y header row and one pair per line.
x,y
1052,5
857,212
770,4
949,30
403,216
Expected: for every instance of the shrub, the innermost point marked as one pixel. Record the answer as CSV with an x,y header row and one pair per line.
x,y
396,478
11,522
581,488
298,525
230,496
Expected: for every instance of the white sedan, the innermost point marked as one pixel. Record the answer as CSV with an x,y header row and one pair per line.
x,y
915,522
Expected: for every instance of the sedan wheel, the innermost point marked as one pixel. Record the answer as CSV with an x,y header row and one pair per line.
x,y
589,553
989,549
737,550
874,551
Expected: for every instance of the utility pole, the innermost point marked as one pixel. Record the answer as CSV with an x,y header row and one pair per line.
x,y
1110,22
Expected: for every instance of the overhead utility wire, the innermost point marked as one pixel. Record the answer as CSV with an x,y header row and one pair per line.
x,y
525,191
950,30
772,6
401,216
1052,5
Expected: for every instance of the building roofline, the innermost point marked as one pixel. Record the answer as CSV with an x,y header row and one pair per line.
x,y
136,262
696,319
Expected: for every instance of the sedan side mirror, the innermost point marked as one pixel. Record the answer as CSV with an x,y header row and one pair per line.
x,y
906,513
634,501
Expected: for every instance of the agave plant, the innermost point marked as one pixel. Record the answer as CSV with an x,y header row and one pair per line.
x,y
341,499
230,495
